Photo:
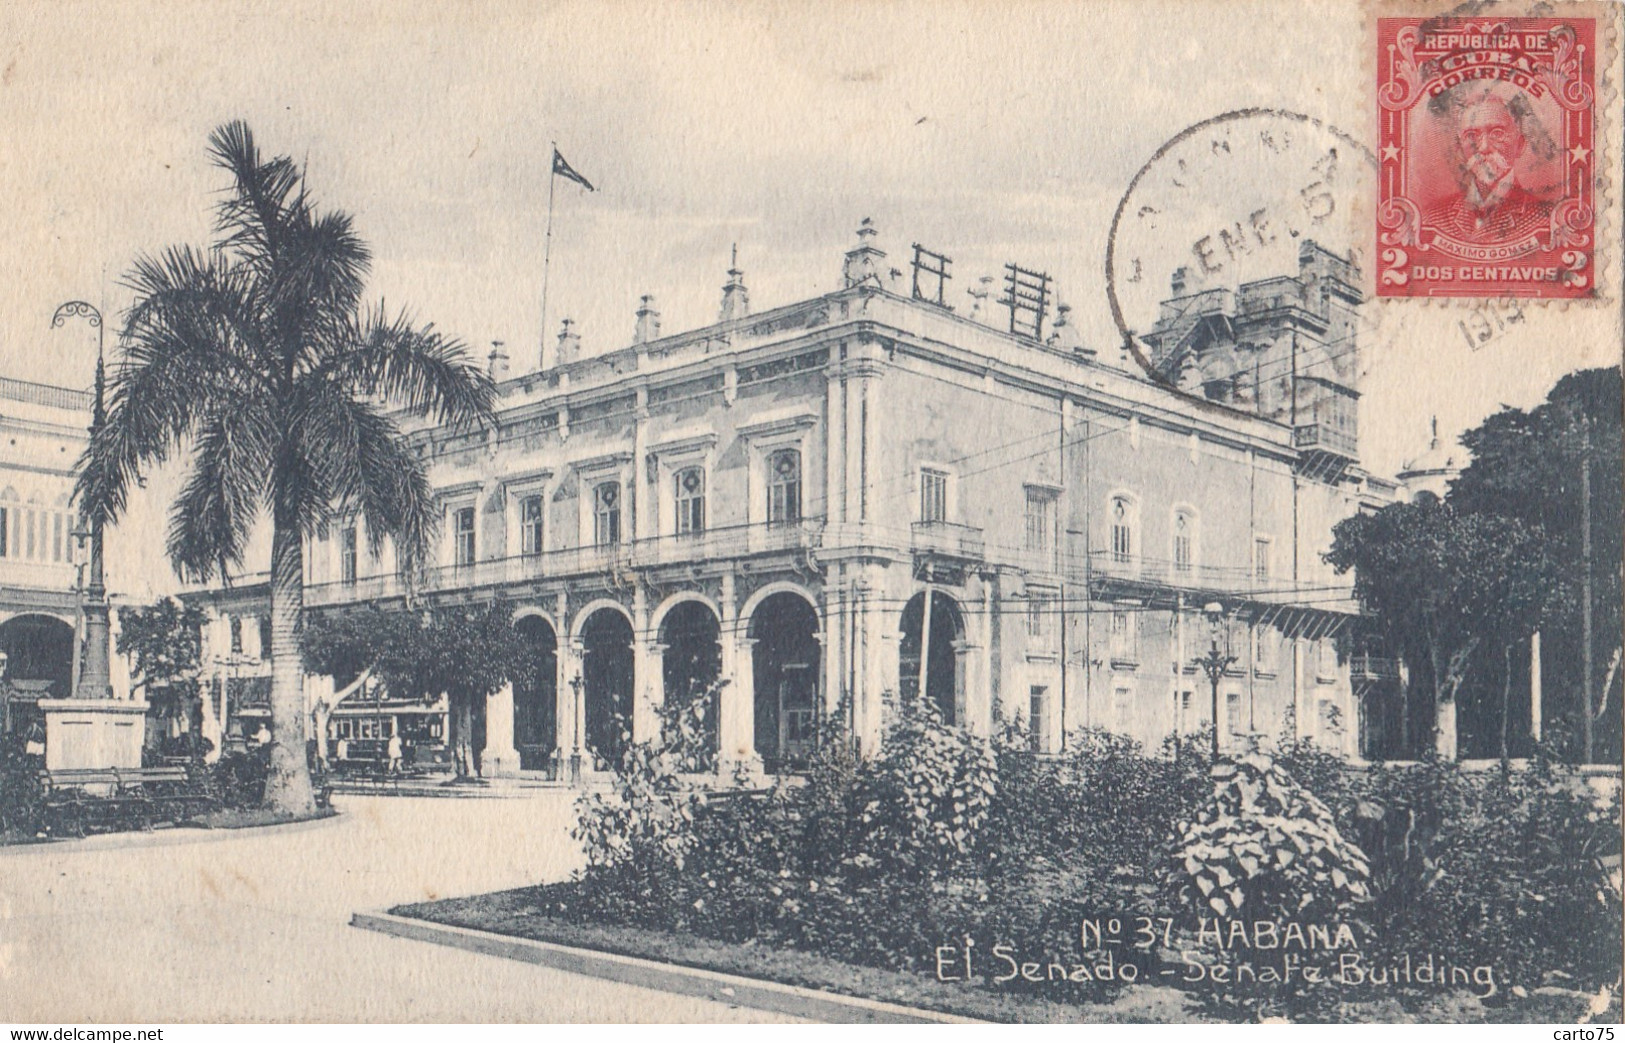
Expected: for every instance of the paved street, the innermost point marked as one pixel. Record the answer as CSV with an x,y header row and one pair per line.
x,y
252,926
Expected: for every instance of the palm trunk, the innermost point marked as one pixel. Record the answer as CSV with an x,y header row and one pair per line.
x,y
287,788
1506,704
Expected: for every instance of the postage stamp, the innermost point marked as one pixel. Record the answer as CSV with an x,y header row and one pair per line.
x,y
1486,131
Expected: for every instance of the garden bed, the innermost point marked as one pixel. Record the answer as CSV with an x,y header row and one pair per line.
x,y
877,875
519,914
248,818
523,913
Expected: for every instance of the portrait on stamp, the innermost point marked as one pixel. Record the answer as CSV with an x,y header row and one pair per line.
x,y
1486,134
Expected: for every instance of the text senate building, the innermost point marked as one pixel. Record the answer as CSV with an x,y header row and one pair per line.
x,y
852,498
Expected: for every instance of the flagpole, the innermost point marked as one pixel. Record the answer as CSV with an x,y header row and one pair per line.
x,y
547,248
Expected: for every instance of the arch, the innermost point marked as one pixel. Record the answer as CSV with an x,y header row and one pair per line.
x,y
535,691
607,675
657,618
944,676
752,603
786,656
691,662
39,649
591,609
535,612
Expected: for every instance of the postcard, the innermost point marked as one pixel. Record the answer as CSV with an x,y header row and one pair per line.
x,y
899,512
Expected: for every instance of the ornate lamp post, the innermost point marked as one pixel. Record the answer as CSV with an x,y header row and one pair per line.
x,y
1214,663
576,684
95,679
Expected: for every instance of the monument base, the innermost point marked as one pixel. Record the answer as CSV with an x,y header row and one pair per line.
x,y
93,733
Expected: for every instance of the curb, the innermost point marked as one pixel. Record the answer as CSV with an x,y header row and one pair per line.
x,y
732,989
169,836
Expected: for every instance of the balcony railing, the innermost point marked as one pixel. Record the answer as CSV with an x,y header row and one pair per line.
x,y
40,575
949,540
1324,438
578,561
1373,668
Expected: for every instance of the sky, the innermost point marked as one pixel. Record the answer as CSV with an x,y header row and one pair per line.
x,y
990,132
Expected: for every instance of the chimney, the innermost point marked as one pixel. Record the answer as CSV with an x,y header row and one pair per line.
x,y
569,349
863,262
1064,335
1177,283
648,327
735,298
981,310
497,362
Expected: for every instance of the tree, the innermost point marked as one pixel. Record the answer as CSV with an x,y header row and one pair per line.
x,y
1441,583
465,652
165,645
255,358
1558,466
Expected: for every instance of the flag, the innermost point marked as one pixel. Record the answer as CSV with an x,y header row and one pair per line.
x,y
563,169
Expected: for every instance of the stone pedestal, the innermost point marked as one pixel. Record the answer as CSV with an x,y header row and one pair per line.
x,y
499,757
93,733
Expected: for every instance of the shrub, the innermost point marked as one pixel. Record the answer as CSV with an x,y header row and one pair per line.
x,y
22,801
238,778
1500,870
1265,847
921,804
645,823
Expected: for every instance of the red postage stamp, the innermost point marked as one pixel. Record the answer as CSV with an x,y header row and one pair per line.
x,y
1486,136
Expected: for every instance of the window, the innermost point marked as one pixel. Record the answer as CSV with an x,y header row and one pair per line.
x,y
1040,615
265,637
1261,559
1232,713
1326,660
347,555
1038,737
1331,718
1123,705
5,532
530,525
1265,649
1122,522
1125,635
606,514
689,493
463,536
57,542
1184,711
1040,521
1184,541
933,495
236,635
784,487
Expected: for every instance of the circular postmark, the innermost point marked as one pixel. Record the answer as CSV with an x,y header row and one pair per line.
x,y
1231,200
1217,223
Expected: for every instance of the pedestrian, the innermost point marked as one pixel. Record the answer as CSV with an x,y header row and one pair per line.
x,y
395,753
262,737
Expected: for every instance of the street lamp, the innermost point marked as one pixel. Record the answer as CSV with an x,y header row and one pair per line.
x,y
1215,663
576,684
95,680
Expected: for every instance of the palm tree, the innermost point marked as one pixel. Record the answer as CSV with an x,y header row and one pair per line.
x,y
256,360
